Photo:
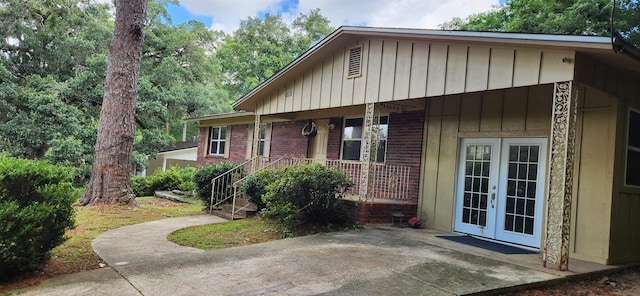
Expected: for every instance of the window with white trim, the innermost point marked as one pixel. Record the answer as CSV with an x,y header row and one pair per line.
x,y
632,174
217,140
352,138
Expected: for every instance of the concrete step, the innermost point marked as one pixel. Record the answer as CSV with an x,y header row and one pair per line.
x,y
246,207
225,211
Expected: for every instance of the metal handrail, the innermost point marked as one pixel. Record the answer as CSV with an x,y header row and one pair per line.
x,y
224,175
237,183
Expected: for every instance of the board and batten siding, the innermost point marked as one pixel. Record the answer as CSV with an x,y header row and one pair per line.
x,y
620,242
515,112
395,70
593,170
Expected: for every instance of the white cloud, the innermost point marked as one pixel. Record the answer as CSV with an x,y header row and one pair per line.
x,y
399,13
379,13
227,14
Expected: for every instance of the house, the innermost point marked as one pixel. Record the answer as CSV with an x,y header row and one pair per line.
x,y
525,139
179,154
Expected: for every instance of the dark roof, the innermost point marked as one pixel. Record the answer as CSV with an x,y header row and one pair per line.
x,y
179,146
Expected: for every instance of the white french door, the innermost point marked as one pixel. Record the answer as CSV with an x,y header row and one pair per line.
x,y
500,189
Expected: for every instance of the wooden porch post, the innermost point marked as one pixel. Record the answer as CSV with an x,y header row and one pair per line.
x,y
369,151
256,145
561,161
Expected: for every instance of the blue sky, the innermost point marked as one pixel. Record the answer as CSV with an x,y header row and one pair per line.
x,y
179,15
226,15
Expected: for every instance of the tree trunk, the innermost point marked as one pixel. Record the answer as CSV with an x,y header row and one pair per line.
x,y
111,174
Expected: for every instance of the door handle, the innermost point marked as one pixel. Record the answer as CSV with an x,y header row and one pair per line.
x,y
493,198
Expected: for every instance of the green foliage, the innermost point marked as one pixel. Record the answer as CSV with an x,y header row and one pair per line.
x,y
171,179
36,207
254,186
38,104
203,176
54,62
576,17
52,70
264,45
306,195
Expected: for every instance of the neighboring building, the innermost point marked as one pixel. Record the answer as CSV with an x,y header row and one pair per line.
x,y
180,154
520,138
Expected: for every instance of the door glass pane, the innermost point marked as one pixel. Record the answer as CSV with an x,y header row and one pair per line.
x,y
476,184
521,188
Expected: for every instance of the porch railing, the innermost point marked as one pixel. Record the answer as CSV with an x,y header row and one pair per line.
x,y
390,182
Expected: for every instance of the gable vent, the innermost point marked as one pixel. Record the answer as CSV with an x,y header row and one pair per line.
x,y
355,62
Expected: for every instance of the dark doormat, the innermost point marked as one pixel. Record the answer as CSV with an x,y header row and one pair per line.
x,y
487,245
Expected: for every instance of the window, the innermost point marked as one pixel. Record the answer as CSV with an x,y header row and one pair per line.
x,y
352,138
632,176
262,140
217,136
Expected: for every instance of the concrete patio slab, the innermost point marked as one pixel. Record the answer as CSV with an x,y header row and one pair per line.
x,y
382,260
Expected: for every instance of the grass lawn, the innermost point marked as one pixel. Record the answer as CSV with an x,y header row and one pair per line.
x,y
231,234
76,254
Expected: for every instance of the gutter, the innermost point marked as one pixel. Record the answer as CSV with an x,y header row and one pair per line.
x,y
620,46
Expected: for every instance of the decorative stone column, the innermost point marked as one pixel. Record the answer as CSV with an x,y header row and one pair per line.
x,y
369,151
256,145
561,161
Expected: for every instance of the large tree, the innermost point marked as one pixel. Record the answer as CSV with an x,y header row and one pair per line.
x,y
575,17
53,63
110,176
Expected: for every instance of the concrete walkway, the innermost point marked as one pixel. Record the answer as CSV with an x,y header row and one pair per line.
x,y
376,261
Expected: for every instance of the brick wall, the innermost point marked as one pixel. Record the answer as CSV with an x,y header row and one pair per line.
x,y
335,139
237,146
287,140
404,145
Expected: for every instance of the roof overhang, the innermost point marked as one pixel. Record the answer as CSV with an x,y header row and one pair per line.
x,y
593,45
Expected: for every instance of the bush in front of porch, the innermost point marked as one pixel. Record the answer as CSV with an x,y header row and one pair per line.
x,y
204,175
306,195
254,186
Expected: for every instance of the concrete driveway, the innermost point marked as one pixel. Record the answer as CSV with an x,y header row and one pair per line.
x,y
382,260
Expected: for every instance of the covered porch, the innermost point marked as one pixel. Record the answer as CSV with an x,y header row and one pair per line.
x,y
387,191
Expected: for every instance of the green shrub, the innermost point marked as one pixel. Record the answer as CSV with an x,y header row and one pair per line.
x,y
306,195
254,186
203,176
141,186
186,179
173,178
36,207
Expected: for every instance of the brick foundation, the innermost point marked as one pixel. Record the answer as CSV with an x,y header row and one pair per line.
x,y
377,213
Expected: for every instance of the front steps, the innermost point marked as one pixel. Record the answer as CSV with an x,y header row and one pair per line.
x,y
244,209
